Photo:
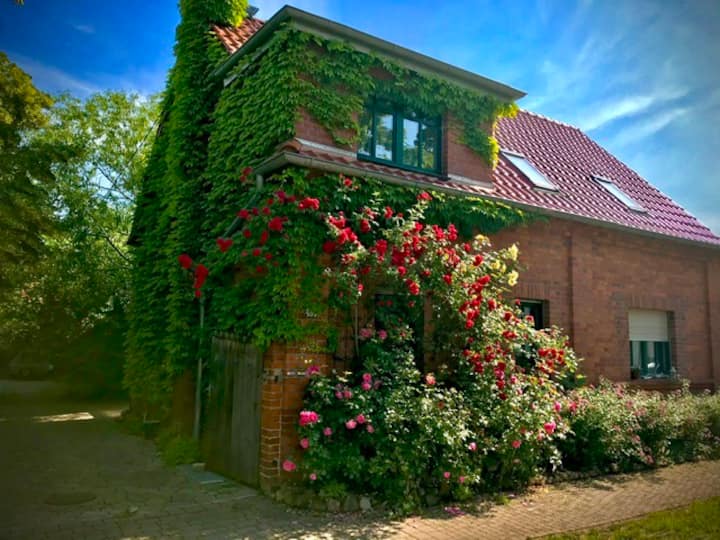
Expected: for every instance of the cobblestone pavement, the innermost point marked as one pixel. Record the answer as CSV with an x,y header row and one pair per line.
x,y
68,472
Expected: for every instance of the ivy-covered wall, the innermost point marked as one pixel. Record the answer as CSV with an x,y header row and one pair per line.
x,y
195,184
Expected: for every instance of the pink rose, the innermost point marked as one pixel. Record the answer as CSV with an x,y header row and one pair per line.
x,y
549,427
370,428
516,444
360,418
308,417
339,394
366,333
430,379
446,475
288,466
313,477
367,377
382,334
351,424
557,406
366,386
327,431
312,370
461,479
305,443
472,446
347,393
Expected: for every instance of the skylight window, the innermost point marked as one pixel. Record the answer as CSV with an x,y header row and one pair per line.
x,y
531,173
619,194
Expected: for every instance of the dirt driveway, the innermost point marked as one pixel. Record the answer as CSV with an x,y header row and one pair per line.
x,y
67,471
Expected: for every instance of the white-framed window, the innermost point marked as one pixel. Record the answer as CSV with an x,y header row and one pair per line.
x,y
536,178
618,193
650,356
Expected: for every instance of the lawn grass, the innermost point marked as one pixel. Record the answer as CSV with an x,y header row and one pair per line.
x,y
700,520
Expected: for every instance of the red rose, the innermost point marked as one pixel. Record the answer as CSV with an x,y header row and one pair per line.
x,y
424,196
256,252
309,203
246,171
243,214
224,244
447,278
347,182
266,210
247,233
264,237
329,247
388,212
365,226
276,224
201,274
413,287
185,261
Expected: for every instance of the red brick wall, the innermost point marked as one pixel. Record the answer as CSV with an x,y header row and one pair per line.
x,y
458,158
591,276
283,388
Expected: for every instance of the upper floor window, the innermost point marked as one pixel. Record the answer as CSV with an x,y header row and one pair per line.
x,y
402,138
537,178
619,194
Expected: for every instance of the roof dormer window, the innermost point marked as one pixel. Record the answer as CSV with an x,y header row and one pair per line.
x,y
619,194
537,178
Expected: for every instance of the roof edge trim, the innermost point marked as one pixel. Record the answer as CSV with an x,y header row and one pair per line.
x,y
333,30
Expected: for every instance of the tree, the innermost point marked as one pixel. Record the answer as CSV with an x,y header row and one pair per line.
x,y
72,301
25,172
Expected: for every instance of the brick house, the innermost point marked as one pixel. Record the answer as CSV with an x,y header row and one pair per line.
x,y
631,276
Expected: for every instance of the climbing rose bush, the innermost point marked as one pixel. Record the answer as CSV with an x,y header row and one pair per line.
x,y
490,416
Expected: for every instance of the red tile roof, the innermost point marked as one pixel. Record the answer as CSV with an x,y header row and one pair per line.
x,y
569,159
563,153
234,37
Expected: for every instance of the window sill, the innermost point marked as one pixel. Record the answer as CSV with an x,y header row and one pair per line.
x,y
400,166
657,383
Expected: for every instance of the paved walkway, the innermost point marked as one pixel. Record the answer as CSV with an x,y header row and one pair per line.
x,y
68,472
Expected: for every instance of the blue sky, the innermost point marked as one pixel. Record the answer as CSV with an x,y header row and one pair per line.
x,y
641,77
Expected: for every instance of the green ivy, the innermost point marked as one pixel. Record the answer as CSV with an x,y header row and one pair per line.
x,y
192,187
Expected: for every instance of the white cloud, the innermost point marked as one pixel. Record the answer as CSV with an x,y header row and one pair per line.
x,y
649,126
52,79
84,28
627,106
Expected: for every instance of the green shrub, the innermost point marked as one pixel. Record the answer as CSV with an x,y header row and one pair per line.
x,y
614,428
177,449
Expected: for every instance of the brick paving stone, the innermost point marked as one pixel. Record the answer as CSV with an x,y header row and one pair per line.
x,y
138,498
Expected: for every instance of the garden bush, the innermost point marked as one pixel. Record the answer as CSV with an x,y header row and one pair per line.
x,y
614,428
489,416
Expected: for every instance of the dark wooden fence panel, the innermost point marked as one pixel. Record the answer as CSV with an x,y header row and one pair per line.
x,y
231,434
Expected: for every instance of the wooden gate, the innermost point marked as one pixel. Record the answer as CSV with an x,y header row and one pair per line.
x,y
231,433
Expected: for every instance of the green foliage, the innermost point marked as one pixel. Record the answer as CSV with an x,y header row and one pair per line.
x,y
616,429
699,520
25,173
191,189
177,449
71,301
489,419
162,339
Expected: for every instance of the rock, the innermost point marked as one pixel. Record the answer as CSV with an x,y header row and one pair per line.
x,y
365,504
351,503
333,505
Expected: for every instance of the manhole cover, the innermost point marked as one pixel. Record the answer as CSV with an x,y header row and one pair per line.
x,y
62,499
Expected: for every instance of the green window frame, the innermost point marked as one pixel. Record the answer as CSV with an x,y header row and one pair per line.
x,y
386,131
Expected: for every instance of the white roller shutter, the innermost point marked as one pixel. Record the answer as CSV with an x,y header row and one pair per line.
x,y
648,325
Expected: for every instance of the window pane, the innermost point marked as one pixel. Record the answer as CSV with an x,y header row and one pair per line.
x,y
384,136
429,147
411,142
365,133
